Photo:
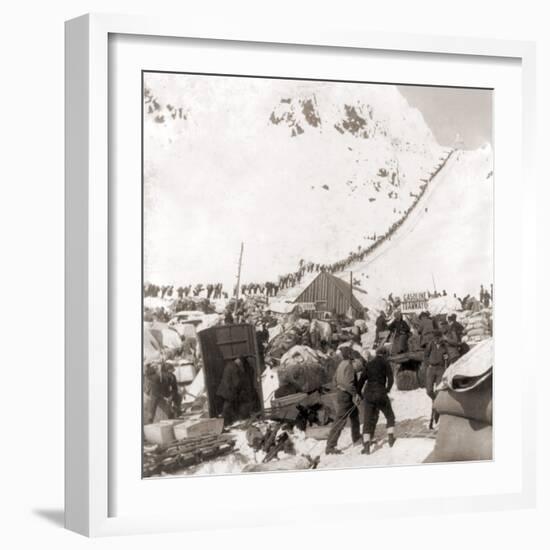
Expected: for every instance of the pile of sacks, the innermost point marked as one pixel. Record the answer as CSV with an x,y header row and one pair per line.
x,y
306,369
478,325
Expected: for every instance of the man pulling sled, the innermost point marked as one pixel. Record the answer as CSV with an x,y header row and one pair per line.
x,y
377,379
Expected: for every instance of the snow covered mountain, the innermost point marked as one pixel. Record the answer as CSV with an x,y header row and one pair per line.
x,y
296,170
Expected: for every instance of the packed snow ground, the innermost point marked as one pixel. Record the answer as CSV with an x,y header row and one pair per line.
x,y
412,410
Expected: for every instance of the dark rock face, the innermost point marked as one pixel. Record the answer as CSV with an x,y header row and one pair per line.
x,y
299,112
354,123
310,112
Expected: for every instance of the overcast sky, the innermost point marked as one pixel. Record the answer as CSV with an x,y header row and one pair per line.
x,y
451,110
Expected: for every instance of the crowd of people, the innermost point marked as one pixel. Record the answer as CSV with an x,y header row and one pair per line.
x,y
213,291
467,302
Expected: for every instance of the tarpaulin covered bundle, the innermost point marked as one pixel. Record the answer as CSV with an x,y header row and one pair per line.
x,y
209,320
151,347
465,403
160,341
204,305
305,369
171,340
444,304
284,341
460,439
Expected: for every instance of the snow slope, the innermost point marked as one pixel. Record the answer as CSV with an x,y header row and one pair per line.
x,y
448,235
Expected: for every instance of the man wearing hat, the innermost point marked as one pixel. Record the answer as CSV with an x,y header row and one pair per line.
x,y
378,376
454,325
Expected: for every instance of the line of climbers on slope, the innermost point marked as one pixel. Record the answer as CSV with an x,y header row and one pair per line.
x,y
292,279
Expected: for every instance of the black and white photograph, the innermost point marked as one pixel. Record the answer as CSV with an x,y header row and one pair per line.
x,y
317,274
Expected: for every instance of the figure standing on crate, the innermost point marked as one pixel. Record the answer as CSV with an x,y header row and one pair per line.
x,y
348,399
377,379
401,332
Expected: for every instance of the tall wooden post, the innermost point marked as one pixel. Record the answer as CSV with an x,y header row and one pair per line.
x,y
239,278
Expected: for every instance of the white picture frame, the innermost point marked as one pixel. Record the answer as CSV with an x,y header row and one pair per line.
x,y
89,216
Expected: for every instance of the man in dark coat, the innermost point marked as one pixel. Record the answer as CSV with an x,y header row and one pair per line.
x,y
436,357
237,391
230,389
348,400
161,386
455,325
455,332
378,376
262,337
152,388
170,391
426,327
401,332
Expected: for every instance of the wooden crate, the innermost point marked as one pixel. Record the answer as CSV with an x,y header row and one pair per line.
x,y
160,433
285,407
207,426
